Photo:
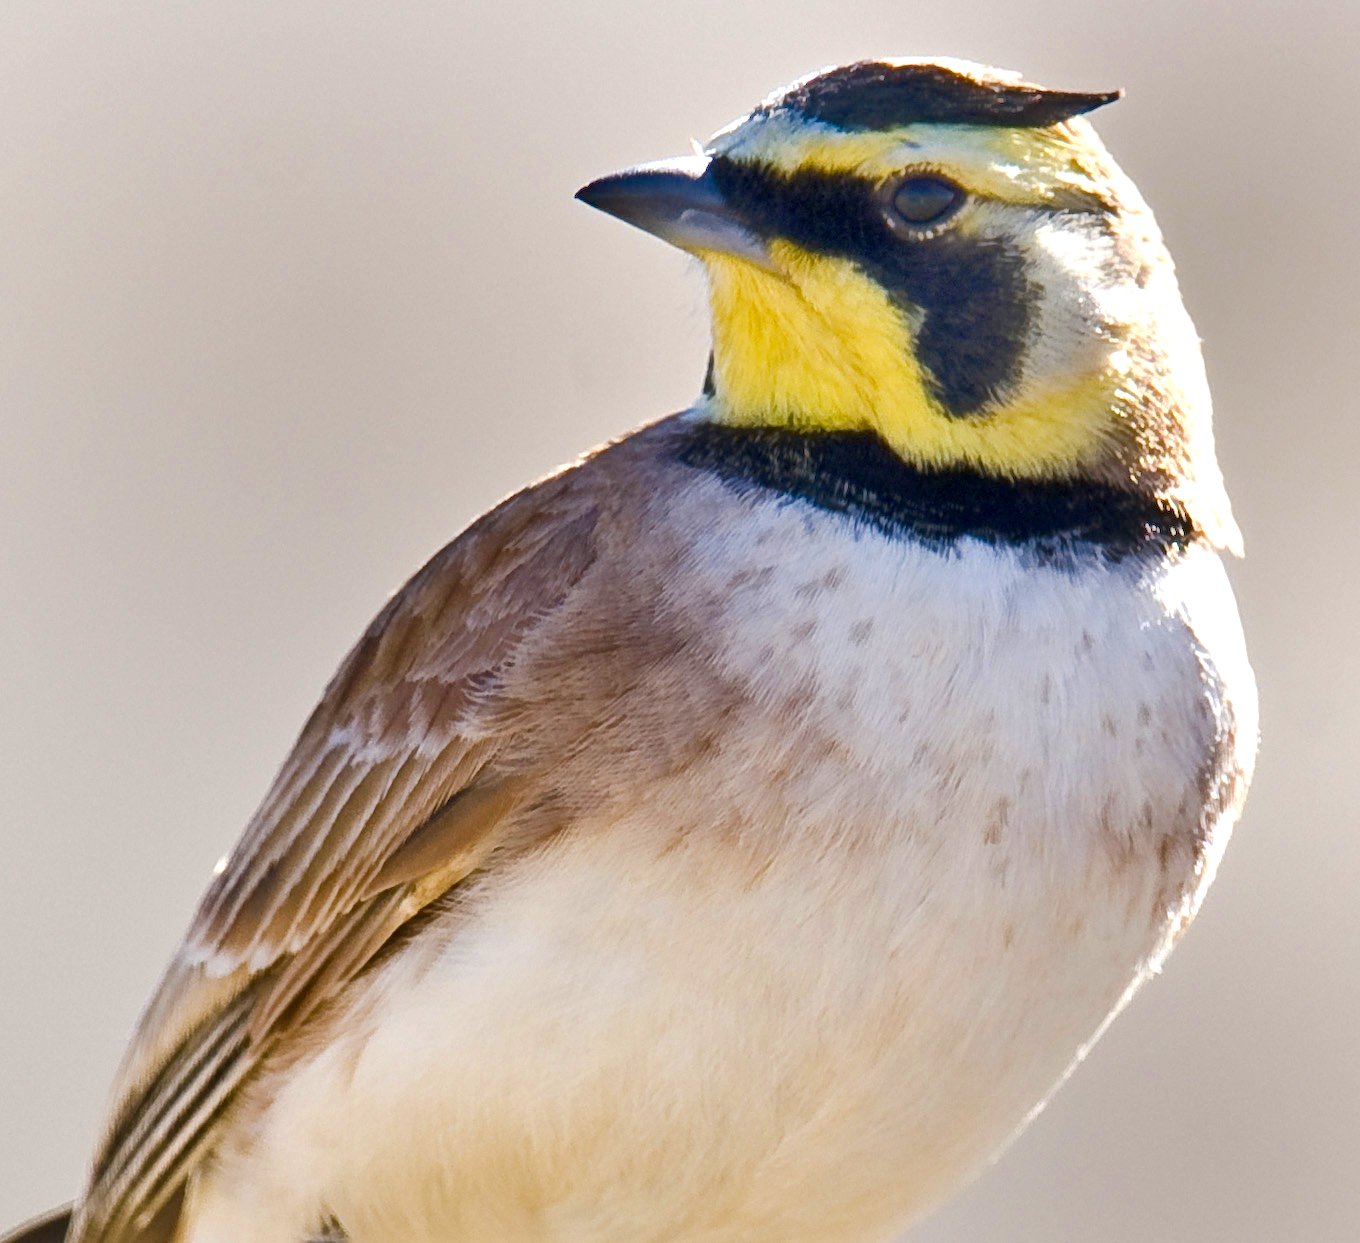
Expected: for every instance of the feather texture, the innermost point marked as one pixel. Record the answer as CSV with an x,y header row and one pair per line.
x,y
392,794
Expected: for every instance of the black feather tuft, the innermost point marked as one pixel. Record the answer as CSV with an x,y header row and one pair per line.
x,y
875,95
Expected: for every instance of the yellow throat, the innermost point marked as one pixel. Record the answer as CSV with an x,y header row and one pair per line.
x,y
830,351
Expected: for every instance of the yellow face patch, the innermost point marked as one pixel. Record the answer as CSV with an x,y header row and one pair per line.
x,y
818,343
824,348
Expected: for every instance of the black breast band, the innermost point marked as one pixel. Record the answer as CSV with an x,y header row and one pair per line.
x,y
856,474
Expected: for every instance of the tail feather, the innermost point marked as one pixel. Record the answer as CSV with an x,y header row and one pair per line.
x,y
49,1228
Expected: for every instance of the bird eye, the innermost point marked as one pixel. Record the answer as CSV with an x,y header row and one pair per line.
x,y
925,200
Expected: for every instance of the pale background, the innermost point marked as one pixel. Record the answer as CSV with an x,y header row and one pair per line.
x,y
290,292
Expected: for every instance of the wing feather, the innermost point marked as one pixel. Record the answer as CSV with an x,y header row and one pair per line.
x,y
393,792
160,1141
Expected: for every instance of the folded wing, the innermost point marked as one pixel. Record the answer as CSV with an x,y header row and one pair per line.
x,y
394,792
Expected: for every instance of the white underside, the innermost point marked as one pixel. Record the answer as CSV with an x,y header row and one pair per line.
x,y
803,995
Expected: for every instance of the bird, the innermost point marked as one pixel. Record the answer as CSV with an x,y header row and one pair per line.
x,y
739,834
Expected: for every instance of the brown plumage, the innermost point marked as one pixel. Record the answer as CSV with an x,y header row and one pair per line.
x,y
448,733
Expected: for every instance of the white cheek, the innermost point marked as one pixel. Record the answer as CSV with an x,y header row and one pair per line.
x,y
1082,315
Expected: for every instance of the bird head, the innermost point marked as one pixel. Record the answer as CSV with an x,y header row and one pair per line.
x,y
946,256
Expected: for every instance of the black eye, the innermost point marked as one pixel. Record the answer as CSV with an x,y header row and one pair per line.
x,y
925,200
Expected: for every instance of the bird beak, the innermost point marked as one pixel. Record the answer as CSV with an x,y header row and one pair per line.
x,y
678,201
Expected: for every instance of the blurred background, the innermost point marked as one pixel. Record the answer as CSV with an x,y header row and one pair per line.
x,y
292,291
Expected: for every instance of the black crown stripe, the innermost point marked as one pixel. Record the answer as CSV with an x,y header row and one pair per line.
x,y
875,95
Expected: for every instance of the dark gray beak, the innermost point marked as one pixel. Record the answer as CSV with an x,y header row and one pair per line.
x,y
679,201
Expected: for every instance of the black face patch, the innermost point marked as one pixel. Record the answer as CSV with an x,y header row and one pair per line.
x,y
857,475
873,95
710,383
977,302
972,292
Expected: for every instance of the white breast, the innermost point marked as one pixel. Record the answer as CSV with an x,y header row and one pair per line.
x,y
976,803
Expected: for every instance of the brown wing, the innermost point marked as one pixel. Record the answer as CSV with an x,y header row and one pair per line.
x,y
393,793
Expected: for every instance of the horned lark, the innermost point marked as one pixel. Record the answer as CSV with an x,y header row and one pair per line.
x,y
737,835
